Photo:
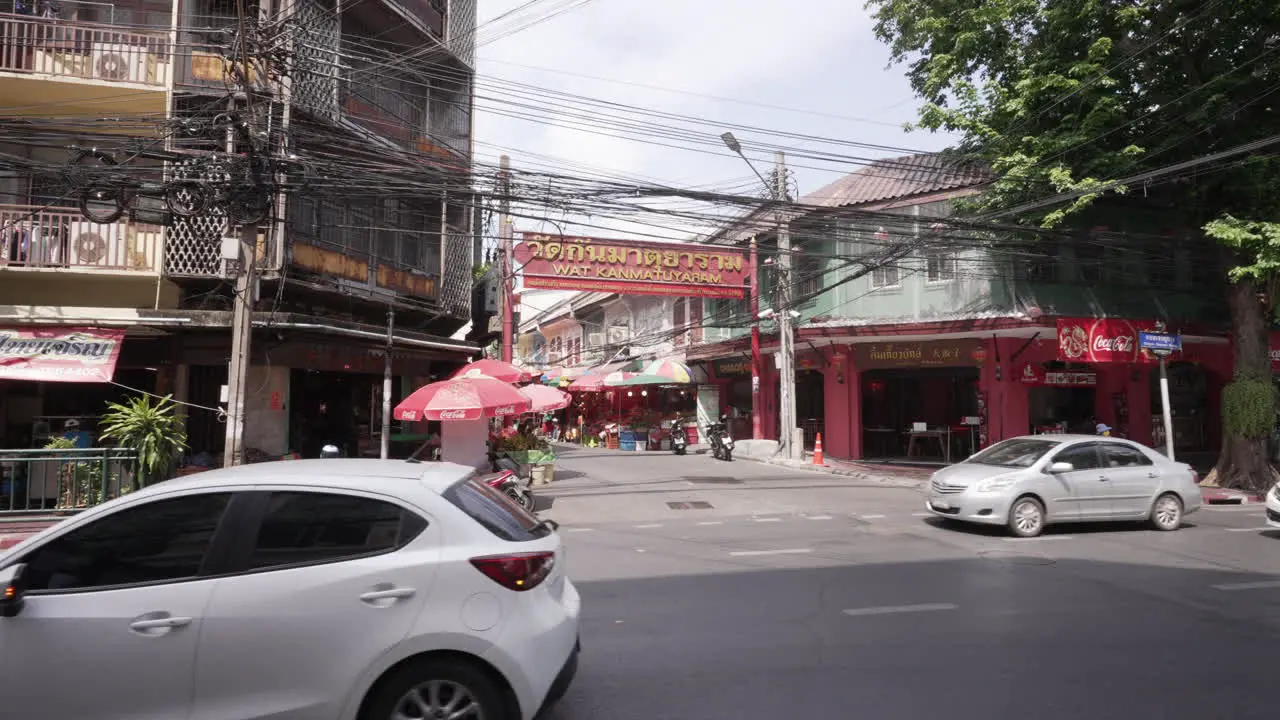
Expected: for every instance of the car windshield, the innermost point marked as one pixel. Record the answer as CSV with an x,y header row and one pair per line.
x,y
1018,453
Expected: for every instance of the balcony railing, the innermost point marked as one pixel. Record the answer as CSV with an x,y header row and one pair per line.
x,y
88,51
38,237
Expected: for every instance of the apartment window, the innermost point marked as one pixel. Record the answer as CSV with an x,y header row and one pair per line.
x,y
939,266
1042,261
885,276
807,267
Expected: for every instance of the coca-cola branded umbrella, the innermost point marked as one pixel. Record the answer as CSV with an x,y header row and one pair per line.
x,y
546,399
596,383
504,371
471,396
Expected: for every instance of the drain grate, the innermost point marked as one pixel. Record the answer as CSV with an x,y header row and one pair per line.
x,y
695,505
713,480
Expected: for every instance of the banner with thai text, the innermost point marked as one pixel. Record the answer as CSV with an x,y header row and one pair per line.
x,y
85,355
553,262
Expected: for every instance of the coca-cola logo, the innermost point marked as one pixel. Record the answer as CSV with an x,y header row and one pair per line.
x,y
1120,344
453,414
505,410
409,415
1106,340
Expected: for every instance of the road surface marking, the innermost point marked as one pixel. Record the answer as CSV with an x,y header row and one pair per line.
x,y
648,525
711,522
767,519
580,529
1036,539
1257,529
871,517
894,609
1264,585
819,517
753,553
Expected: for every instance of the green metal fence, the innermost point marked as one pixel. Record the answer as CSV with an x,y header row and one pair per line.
x,y
42,481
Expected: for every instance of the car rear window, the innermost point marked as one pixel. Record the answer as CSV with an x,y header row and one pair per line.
x,y
495,511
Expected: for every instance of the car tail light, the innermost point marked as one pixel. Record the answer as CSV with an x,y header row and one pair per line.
x,y
519,571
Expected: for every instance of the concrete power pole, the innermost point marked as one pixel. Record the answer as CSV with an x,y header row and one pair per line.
x,y
246,269
507,276
786,346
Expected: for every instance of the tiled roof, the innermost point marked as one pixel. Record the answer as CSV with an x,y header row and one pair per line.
x,y
898,178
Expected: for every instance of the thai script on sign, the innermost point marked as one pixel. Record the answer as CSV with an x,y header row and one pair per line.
x,y
589,250
74,346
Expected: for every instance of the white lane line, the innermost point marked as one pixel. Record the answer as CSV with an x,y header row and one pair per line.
x,y
648,525
1263,585
1038,539
871,517
754,553
819,517
895,609
1257,529
711,522
767,519
579,529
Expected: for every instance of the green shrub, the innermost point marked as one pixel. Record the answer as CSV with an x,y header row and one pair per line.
x,y
1248,408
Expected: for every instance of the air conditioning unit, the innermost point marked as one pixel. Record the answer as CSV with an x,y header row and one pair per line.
x,y
91,247
119,63
595,339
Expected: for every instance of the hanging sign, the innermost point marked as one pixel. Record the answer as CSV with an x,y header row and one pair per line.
x,y
57,354
1160,344
628,267
1031,374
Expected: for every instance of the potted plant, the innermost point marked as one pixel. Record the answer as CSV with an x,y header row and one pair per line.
x,y
152,430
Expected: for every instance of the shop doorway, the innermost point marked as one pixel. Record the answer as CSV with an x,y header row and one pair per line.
x,y
330,408
1062,409
811,406
919,414
1189,405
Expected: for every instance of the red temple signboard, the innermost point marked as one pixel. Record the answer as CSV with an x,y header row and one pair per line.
x,y
553,262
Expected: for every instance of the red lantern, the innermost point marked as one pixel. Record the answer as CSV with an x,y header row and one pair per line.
x,y
979,355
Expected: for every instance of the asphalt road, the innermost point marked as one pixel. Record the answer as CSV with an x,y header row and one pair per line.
x,y
796,595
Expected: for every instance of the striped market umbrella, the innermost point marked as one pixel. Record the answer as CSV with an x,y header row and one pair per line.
x,y
596,383
634,379
673,370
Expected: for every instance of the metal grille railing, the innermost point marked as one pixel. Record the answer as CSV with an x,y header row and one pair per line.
x,y
63,479
33,236
88,51
460,35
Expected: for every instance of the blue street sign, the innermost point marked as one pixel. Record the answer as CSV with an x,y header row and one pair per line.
x,y
1159,342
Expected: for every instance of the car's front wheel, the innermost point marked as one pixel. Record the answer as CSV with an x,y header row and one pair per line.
x,y
1166,513
434,689
1026,517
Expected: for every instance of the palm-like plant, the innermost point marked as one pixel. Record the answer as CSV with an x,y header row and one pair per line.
x,y
151,430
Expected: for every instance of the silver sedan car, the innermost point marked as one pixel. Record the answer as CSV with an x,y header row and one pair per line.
x,y
1028,482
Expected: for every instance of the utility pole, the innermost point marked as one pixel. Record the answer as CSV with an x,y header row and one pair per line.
x,y
753,270
385,449
246,269
786,348
508,265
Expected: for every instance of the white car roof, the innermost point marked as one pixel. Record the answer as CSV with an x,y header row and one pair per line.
x,y
354,473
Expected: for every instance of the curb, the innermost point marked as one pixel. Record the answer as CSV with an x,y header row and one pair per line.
x,y
1229,497
886,480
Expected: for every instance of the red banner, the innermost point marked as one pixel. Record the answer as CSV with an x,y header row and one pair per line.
x,y
86,355
1274,351
628,267
1103,340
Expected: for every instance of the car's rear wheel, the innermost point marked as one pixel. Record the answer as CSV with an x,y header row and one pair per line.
x,y
434,689
1026,517
1166,513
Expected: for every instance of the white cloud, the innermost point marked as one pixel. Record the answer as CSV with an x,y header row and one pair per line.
x,y
817,57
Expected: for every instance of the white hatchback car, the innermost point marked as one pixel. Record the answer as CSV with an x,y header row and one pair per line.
x,y
1273,506
1028,482
304,590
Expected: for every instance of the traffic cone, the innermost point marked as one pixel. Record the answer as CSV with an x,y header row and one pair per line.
x,y
817,451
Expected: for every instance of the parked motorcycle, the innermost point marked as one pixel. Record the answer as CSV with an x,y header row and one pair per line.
x,y
506,479
721,440
679,439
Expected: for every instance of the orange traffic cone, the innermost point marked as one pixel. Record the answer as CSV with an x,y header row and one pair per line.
x,y
817,451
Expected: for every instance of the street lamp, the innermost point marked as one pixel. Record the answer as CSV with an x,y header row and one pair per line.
x,y
786,348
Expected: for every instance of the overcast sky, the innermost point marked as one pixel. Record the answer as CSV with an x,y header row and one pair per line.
x,y
724,61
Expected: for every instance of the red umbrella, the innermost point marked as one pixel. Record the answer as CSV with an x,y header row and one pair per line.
x,y
468,397
596,383
546,398
504,371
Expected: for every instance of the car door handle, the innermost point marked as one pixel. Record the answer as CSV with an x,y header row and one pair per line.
x,y
160,623
389,594
1103,478
1153,475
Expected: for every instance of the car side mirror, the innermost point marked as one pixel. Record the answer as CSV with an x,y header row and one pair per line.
x,y
1060,467
13,586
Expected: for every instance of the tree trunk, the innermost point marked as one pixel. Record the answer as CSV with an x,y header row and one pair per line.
x,y
1244,462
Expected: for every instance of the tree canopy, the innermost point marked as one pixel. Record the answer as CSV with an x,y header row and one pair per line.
x,y
1064,96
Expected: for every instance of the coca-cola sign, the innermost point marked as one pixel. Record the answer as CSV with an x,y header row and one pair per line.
x,y
453,414
1103,340
504,410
